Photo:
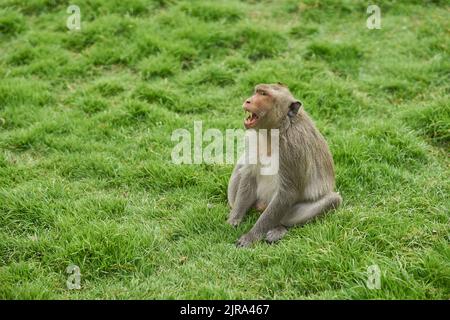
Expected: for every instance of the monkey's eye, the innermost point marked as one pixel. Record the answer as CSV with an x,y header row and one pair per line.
x,y
263,93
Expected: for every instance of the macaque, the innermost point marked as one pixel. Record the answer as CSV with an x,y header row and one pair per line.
x,y
303,186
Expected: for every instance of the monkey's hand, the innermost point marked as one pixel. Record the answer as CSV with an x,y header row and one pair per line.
x,y
247,240
234,221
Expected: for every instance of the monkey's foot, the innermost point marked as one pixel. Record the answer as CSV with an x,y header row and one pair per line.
x,y
234,222
276,234
246,240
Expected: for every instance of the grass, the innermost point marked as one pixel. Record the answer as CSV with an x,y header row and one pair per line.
x,y
86,176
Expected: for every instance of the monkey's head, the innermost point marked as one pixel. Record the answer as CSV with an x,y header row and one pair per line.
x,y
269,106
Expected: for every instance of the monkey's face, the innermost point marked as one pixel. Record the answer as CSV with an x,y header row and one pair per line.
x,y
265,108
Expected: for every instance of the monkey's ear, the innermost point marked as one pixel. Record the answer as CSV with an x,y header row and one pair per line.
x,y
293,108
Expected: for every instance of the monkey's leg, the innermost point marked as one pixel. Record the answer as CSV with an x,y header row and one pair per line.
x,y
305,211
233,185
245,197
301,213
269,219
276,234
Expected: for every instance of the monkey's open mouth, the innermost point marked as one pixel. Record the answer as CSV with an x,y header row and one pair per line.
x,y
251,119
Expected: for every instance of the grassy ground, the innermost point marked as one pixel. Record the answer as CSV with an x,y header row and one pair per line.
x,y
85,168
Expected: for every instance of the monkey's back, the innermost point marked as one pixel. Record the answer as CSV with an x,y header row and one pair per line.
x,y
306,156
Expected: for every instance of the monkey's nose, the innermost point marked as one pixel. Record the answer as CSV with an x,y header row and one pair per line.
x,y
247,102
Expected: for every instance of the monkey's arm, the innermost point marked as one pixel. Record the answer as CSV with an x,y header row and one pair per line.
x,y
269,219
245,197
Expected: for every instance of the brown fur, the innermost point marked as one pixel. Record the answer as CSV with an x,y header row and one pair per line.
x,y
305,180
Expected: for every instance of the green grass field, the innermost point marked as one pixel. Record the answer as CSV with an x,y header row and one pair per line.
x,y
86,176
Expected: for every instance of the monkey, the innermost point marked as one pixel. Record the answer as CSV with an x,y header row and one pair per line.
x,y
303,186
